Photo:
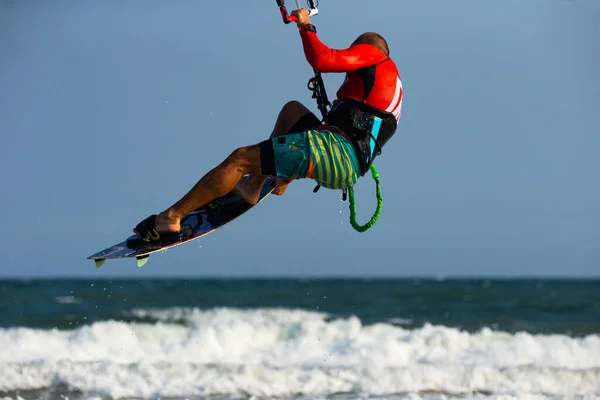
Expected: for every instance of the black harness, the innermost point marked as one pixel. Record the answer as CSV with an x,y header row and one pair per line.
x,y
369,128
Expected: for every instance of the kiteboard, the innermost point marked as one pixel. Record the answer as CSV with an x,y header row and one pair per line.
x,y
203,221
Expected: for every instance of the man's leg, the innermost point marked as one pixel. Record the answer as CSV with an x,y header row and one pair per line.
x,y
290,114
216,183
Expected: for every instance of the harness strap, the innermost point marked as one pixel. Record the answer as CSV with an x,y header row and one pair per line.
x,y
375,217
376,214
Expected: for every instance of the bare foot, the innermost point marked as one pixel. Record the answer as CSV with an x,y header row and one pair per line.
x,y
165,223
250,188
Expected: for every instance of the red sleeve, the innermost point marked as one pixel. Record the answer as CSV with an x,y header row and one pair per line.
x,y
324,59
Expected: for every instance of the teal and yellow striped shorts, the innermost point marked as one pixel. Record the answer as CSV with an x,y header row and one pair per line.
x,y
327,157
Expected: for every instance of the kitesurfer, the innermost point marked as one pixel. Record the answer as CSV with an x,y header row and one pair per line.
x,y
335,152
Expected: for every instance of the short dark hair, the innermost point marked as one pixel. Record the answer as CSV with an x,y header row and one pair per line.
x,y
374,39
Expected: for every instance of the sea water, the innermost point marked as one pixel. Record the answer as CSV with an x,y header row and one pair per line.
x,y
342,339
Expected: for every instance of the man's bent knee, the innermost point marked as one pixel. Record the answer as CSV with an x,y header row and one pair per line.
x,y
246,158
295,118
294,107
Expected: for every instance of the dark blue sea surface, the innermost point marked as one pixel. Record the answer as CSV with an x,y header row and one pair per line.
x,y
544,306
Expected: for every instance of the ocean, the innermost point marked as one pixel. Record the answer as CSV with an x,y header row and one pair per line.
x,y
300,339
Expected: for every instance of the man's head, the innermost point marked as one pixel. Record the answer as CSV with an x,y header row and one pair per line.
x,y
374,39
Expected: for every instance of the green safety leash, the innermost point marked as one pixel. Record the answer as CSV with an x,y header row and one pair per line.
x,y
375,217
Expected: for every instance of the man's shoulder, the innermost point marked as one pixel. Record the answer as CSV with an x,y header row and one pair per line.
x,y
368,49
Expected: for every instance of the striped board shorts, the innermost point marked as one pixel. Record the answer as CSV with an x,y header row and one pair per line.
x,y
324,156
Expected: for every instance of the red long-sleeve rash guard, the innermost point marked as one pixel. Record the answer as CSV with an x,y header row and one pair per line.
x,y
371,76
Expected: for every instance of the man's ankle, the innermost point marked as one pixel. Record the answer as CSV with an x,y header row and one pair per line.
x,y
170,215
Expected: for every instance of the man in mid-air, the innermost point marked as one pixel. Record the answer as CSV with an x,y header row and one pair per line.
x,y
335,152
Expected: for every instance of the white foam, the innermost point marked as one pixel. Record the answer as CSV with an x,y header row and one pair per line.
x,y
278,352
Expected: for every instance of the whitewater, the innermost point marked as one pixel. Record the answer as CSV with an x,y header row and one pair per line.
x,y
291,353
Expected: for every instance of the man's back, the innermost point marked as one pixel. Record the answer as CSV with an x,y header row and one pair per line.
x,y
377,85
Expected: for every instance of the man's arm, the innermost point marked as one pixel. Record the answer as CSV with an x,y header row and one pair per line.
x,y
324,59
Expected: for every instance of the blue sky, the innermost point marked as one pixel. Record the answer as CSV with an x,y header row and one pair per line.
x,y
110,111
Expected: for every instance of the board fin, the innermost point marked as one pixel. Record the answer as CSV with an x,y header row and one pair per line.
x,y
142,260
99,262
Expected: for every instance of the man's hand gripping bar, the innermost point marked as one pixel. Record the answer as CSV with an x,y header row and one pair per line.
x,y
287,18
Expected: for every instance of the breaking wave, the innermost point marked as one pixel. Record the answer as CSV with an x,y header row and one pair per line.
x,y
290,353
